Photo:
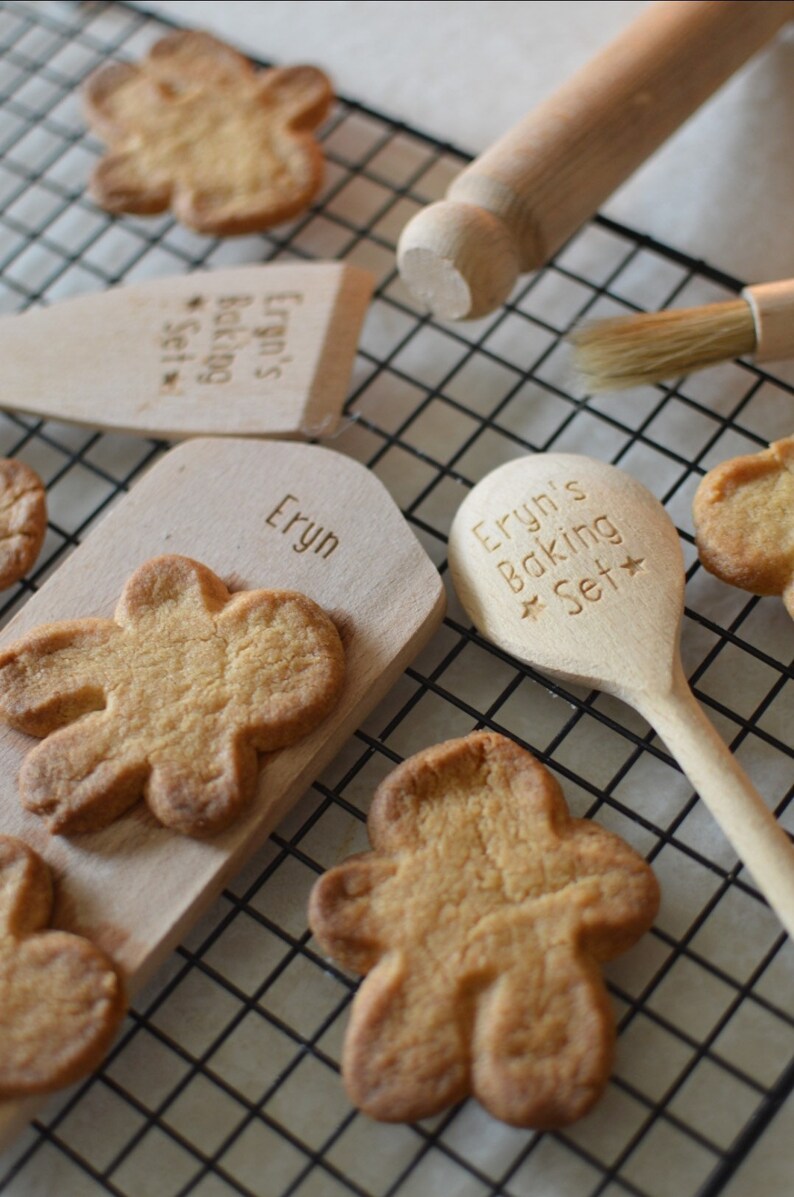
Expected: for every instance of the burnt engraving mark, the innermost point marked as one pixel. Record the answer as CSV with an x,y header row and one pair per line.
x,y
306,533
231,338
532,608
551,549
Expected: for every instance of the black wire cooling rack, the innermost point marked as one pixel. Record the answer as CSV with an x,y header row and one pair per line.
x,y
226,1077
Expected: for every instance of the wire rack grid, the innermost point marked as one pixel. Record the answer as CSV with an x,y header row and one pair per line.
x,y
225,1079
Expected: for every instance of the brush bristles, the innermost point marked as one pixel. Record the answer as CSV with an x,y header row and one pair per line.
x,y
631,351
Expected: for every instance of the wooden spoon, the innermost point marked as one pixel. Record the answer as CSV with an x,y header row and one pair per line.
x,y
572,565
261,350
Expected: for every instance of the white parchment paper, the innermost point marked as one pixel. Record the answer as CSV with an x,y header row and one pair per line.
x,y
721,189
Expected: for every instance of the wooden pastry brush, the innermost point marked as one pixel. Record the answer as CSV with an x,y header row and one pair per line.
x,y
629,351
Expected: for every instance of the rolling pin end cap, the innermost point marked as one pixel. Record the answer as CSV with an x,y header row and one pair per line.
x,y
458,259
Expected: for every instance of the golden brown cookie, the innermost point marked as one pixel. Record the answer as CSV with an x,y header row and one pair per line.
x,y
196,128
480,917
23,519
171,701
60,997
744,521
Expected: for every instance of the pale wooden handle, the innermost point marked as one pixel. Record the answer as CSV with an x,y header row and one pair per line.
x,y
534,187
750,826
772,305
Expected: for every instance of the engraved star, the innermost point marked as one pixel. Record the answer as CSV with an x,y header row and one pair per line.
x,y
633,567
195,302
171,379
532,608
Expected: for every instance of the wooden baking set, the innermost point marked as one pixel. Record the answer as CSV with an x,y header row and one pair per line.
x,y
563,562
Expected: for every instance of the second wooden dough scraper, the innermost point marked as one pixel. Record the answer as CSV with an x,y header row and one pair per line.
x,y
260,350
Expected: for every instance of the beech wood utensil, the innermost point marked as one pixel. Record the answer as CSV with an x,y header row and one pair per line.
x,y
515,205
261,350
250,510
573,566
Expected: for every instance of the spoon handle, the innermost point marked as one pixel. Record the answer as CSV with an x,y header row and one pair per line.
x,y
759,840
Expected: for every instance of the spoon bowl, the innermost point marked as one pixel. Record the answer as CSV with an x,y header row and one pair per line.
x,y
573,565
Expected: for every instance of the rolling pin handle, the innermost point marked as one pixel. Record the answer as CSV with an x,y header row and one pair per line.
x,y
512,208
461,260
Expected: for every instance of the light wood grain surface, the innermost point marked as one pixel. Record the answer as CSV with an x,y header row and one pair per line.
x,y
260,350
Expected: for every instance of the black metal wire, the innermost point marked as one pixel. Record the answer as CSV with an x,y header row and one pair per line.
x,y
44,55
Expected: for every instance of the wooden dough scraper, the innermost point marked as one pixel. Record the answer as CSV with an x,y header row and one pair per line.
x,y
242,508
260,350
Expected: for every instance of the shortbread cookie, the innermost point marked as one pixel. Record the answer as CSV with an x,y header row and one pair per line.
x,y
60,997
171,701
744,521
196,128
23,519
480,916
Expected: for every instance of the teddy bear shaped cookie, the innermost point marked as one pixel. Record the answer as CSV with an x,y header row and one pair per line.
x,y
171,700
743,512
480,917
196,128
61,999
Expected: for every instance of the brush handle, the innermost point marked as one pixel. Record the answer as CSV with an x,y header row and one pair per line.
x,y
772,306
519,201
749,824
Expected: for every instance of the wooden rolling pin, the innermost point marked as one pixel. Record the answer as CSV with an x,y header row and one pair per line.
x,y
515,205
